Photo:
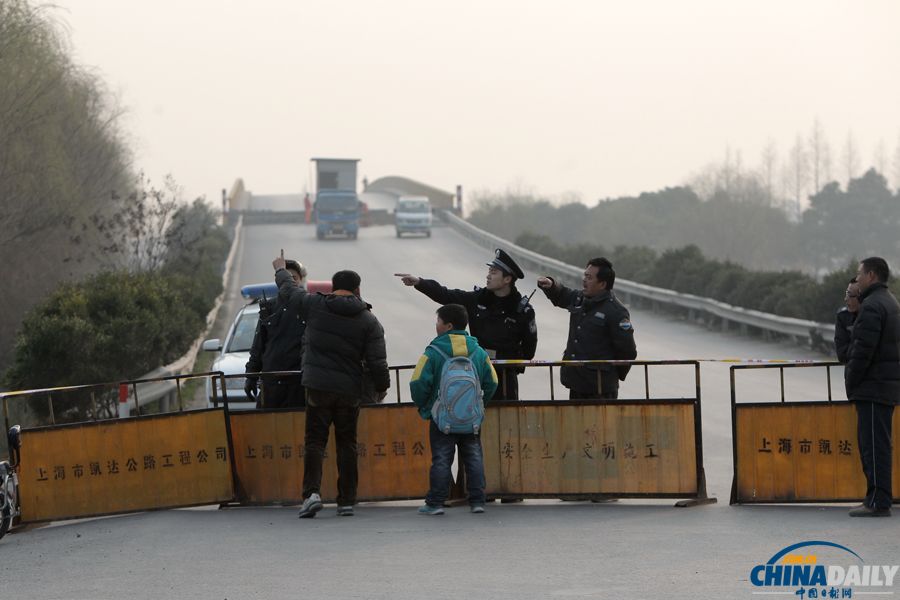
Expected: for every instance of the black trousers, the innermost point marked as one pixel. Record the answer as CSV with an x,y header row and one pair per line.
x,y
873,433
283,394
508,377
323,409
609,388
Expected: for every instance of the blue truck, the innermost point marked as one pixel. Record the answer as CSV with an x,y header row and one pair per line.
x,y
337,207
337,213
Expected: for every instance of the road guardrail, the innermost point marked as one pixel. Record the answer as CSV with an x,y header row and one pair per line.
x,y
728,316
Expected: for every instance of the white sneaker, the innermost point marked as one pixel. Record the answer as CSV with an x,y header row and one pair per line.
x,y
310,506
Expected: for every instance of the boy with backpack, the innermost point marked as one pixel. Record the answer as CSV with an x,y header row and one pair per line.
x,y
451,382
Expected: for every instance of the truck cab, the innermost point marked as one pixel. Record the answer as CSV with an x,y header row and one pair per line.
x,y
337,213
413,215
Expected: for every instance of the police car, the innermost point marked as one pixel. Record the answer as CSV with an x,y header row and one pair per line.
x,y
234,352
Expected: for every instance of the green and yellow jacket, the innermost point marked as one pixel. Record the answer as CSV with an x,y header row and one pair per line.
x,y
425,383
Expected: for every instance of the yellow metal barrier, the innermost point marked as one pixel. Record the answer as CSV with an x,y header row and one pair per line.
x,y
564,449
126,465
648,447
798,451
393,455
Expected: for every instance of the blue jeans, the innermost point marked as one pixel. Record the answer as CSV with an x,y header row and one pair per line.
x,y
442,447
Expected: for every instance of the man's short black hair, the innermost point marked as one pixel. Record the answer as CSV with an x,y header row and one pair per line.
x,y
605,271
454,314
877,265
345,280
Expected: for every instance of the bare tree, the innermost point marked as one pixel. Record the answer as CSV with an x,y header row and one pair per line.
x,y
896,167
136,233
769,162
818,155
799,173
850,158
827,166
880,158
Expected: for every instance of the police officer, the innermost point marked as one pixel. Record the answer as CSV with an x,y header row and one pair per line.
x,y
278,346
499,316
599,329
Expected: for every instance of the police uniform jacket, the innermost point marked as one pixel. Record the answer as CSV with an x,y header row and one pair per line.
x,y
599,329
278,341
843,327
872,373
505,325
343,338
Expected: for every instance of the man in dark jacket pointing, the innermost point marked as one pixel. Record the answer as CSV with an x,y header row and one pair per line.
x,y
599,329
500,318
341,333
872,379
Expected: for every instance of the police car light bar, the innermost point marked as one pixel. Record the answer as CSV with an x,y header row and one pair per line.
x,y
257,291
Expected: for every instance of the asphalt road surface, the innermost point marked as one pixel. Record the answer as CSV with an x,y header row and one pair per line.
x,y
535,549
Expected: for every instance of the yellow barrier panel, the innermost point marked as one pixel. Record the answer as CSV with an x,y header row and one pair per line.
x,y
394,455
533,449
110,467
623,449
800,452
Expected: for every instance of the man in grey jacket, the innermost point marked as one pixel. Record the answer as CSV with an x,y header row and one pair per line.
x,y
341,333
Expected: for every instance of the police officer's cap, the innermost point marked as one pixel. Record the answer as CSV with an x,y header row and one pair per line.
x,y
293,265
505,263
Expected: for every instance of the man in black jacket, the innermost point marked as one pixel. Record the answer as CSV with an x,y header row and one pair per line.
x,y
872,379
341,333
599,329
500,318
278,346
843,321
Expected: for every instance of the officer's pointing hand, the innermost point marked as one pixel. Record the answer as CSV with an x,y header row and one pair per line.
x,y
407,279
279,262
545,283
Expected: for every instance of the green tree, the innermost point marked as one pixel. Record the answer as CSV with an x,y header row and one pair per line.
x,y
62,157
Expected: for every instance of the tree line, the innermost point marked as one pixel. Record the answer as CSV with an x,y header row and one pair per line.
x,y
687,270
840,224
105,275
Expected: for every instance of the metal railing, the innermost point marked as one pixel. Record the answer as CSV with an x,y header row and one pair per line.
x,y
101,397
136,394
798,328
781,367
779,416
500,366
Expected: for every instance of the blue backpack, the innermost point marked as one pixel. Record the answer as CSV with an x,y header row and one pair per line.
x,y
459,407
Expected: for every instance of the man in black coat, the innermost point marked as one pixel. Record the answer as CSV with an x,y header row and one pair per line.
x,y
599,329
341,335
500,318
278,346
872,379
843,321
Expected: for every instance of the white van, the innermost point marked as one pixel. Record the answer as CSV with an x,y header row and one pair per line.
x,y
413,215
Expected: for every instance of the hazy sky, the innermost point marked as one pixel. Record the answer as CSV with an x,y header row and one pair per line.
x,y
599,98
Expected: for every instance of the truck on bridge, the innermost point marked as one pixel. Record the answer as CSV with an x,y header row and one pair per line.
x,y
337,207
